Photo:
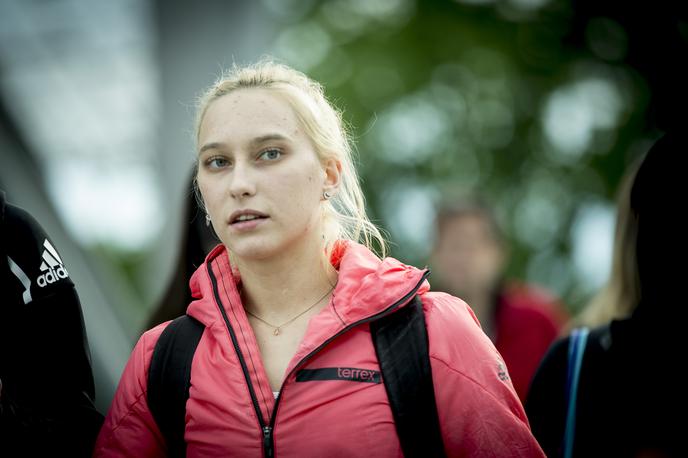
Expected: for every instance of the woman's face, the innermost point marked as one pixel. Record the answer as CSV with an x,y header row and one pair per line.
x,y
259,175
468,257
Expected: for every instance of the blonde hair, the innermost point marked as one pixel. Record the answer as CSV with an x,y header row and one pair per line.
x,y
344,214
621,295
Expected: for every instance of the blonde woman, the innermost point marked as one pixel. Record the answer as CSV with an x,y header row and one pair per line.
x,y
286,365
619,396
621,294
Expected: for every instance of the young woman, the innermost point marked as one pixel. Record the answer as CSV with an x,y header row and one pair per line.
x,y
291,291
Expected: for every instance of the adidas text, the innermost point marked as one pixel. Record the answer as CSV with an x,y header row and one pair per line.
x,y
52,276
52,267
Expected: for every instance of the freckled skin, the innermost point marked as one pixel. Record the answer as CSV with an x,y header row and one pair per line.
x,y
288,189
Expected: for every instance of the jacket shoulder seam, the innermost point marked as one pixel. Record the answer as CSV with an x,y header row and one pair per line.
x,y
475,382
130,409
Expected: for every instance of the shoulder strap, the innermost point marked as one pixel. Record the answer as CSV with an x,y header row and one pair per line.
x,y
401,344
577,344
169,379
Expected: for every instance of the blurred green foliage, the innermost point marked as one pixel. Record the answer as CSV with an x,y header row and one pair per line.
x,y
446,98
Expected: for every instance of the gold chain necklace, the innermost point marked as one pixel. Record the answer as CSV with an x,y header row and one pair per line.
x,y
278,328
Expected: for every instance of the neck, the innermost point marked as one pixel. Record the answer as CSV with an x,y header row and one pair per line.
x,y
482,305
282,286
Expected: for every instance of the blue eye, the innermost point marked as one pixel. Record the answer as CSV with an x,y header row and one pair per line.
x,y
217,162
270,155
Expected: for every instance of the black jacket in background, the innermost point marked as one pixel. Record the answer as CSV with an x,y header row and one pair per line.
x,y
46,404
631,396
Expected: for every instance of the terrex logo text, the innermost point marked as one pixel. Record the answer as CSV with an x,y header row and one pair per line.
x,y
350,374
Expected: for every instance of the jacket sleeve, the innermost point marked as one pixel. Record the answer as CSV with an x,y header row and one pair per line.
x,y
46,402
130,429
479,411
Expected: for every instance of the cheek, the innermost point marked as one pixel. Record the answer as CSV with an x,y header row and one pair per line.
x,y
207,193
202,189
302,186
304,198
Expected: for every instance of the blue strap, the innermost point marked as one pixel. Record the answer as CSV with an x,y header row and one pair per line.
x,y
577,343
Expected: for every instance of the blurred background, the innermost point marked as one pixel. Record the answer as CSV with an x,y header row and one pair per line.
x,y
537,105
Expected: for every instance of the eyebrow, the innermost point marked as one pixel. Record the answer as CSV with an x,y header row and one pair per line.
x,y
256,141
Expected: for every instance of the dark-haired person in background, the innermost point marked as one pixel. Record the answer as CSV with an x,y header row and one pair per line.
x,y
469,259
197,240
46,382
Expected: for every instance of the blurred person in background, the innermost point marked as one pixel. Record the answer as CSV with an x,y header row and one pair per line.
x,y
630,396
197,239
46,382
287,302
469,258
621,294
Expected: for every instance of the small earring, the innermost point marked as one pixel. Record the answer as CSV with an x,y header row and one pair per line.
x,y
327,195
207,219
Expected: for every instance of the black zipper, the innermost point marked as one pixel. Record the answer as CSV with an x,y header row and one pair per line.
x,y
268,430
268,442
235,342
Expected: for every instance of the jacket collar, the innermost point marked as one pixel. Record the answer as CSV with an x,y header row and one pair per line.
x,y
366,285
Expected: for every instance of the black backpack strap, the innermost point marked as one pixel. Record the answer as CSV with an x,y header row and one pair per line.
x,y
169,379
401,344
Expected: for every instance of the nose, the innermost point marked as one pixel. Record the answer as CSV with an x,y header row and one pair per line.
x,y
242,182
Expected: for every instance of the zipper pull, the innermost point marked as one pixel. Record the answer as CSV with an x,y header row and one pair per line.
x,y
268,448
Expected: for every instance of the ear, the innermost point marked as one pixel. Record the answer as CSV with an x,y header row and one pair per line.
x,y
333,174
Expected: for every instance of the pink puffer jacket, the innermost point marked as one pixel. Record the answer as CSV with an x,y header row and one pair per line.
x,y
343,411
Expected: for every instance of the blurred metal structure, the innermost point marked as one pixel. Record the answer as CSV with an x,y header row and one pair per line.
x,y
74,92
91,92
97,285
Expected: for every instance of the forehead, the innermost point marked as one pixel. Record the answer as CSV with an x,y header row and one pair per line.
x,y
247,113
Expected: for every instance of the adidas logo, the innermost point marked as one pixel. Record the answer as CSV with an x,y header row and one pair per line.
x,y
52,266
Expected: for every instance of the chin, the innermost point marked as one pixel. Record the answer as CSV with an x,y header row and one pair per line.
x,y
261,247
253,250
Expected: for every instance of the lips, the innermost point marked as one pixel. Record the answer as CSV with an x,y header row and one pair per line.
x,y
243,216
